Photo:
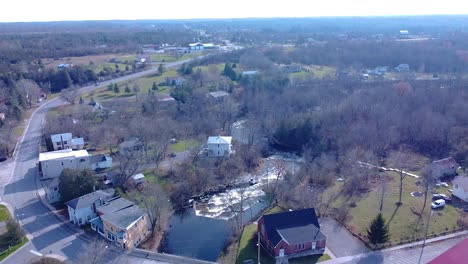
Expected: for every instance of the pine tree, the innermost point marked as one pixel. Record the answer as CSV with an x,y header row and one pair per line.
x,y
127,89
378,231
154,87
110,87
116,89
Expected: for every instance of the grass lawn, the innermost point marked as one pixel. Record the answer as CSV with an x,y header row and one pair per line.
x,y
321,71
310,259
165,57
4,214
13,248
403,223
152,178
183,145
217,68
145,84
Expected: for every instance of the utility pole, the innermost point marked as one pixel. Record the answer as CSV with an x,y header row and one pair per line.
x,y
258,245
425,236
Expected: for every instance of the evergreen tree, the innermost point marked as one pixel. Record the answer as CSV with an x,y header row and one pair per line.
x,y
110,87
229,72
81,100
378,231
127,68
75,183
127,89
154,87
116,89
161,68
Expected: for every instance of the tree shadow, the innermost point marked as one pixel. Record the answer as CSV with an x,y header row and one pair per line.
x,y
393,214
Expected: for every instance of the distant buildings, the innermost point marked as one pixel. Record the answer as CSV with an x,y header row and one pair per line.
x,y
460,188
444,167
133,147
202,46
402,68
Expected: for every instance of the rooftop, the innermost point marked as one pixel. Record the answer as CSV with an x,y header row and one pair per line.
x,y
77,141
131,143
62,154
120,212
60,137
462,181
446,163
138,176
218,94
288,225
249,72
300,234
219,140
97,158
88,199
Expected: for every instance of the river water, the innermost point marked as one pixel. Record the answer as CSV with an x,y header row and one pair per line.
x,y
202,232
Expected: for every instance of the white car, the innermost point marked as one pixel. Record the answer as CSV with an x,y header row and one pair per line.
x,y
444,184
438,203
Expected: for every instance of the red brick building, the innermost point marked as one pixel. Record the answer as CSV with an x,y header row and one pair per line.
x,y
291,234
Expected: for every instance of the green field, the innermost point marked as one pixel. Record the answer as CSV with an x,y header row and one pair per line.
x,y
183,145
144,83
4,214
216,68
157,179
403,223
165,57
5,240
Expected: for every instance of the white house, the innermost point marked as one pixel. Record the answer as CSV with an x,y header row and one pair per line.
x,y
100,162
62,141
82,209
77,143
138,178
51,164
219,146
460,188
52,190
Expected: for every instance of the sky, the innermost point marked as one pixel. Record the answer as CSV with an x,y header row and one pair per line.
x,y
58,10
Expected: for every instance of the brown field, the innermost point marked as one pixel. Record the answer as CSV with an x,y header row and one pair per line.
x,y
97,59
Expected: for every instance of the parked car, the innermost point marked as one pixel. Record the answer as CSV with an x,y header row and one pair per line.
x,y
249,261
444,184
172,155
437,196
438,204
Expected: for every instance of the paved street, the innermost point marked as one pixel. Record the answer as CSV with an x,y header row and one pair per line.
x,y
399,256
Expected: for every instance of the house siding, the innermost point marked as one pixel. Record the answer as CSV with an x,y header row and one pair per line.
x,y
86,214
219,150
134,234
291,249
52,194
53,168
460,191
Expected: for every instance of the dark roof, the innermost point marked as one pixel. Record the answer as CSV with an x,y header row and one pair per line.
x,y
120,212
97,158
455,255
289,224
88,199
300,234
446,163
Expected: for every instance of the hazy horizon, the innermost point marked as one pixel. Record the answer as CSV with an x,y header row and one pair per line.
x,y
87,10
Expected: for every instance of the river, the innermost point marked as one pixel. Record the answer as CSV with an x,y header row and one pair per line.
x,y
203,232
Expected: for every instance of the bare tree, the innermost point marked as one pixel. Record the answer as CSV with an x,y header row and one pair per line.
x,y
236,201
400,160
280,170
93,253
30,89
127,166
70,95
156,205
427,180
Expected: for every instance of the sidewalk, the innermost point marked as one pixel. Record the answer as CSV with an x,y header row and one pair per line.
x,y
405,246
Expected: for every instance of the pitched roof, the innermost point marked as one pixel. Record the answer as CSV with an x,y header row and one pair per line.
x,y
455,255
219,140
97,158
300,234
131,143
60,137
77,141
462,181
62,154
218,94
120,212
138,176
446,163
88,199
290,224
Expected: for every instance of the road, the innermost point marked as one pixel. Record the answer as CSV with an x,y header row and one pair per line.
x,y
20,190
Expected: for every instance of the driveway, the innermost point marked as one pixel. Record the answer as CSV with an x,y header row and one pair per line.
x,y
339,240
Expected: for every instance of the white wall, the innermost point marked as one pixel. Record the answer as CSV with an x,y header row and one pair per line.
x,y
102,165
59,144
52,194
219,150
86,214
53,168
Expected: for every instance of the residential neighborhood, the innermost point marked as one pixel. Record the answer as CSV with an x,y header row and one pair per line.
x,y
234,140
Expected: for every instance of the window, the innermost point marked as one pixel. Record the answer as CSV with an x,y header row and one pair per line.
x,y
55,188
62,163
65,142
82,160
